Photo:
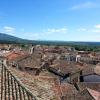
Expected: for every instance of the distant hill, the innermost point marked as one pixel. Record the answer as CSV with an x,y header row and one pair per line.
x,y
5,38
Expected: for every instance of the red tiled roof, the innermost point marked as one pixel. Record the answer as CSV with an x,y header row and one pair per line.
x,y
94,94
66,67
14,55
68,89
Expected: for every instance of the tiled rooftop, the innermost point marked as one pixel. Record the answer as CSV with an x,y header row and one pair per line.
x,y
47,86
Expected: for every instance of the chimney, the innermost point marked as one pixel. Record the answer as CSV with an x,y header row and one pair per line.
x,y
32,50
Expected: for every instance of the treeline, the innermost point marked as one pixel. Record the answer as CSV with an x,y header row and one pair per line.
x,y
81,46
87,48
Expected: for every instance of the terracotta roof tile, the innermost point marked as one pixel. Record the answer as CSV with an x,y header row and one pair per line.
x,y
15,55
65,67
94,94
68,89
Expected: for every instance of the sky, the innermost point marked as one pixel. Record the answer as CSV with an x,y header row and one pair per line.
x,y
61,20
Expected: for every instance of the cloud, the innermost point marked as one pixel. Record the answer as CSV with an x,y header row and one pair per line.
x,y
85,5
32,36
9,30
82,29
59,30
45,33
94,30
97,26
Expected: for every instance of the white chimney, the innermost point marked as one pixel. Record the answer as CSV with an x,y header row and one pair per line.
x,y
32,50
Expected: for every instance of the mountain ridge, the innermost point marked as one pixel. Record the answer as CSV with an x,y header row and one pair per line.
x,y
10,39
5,38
